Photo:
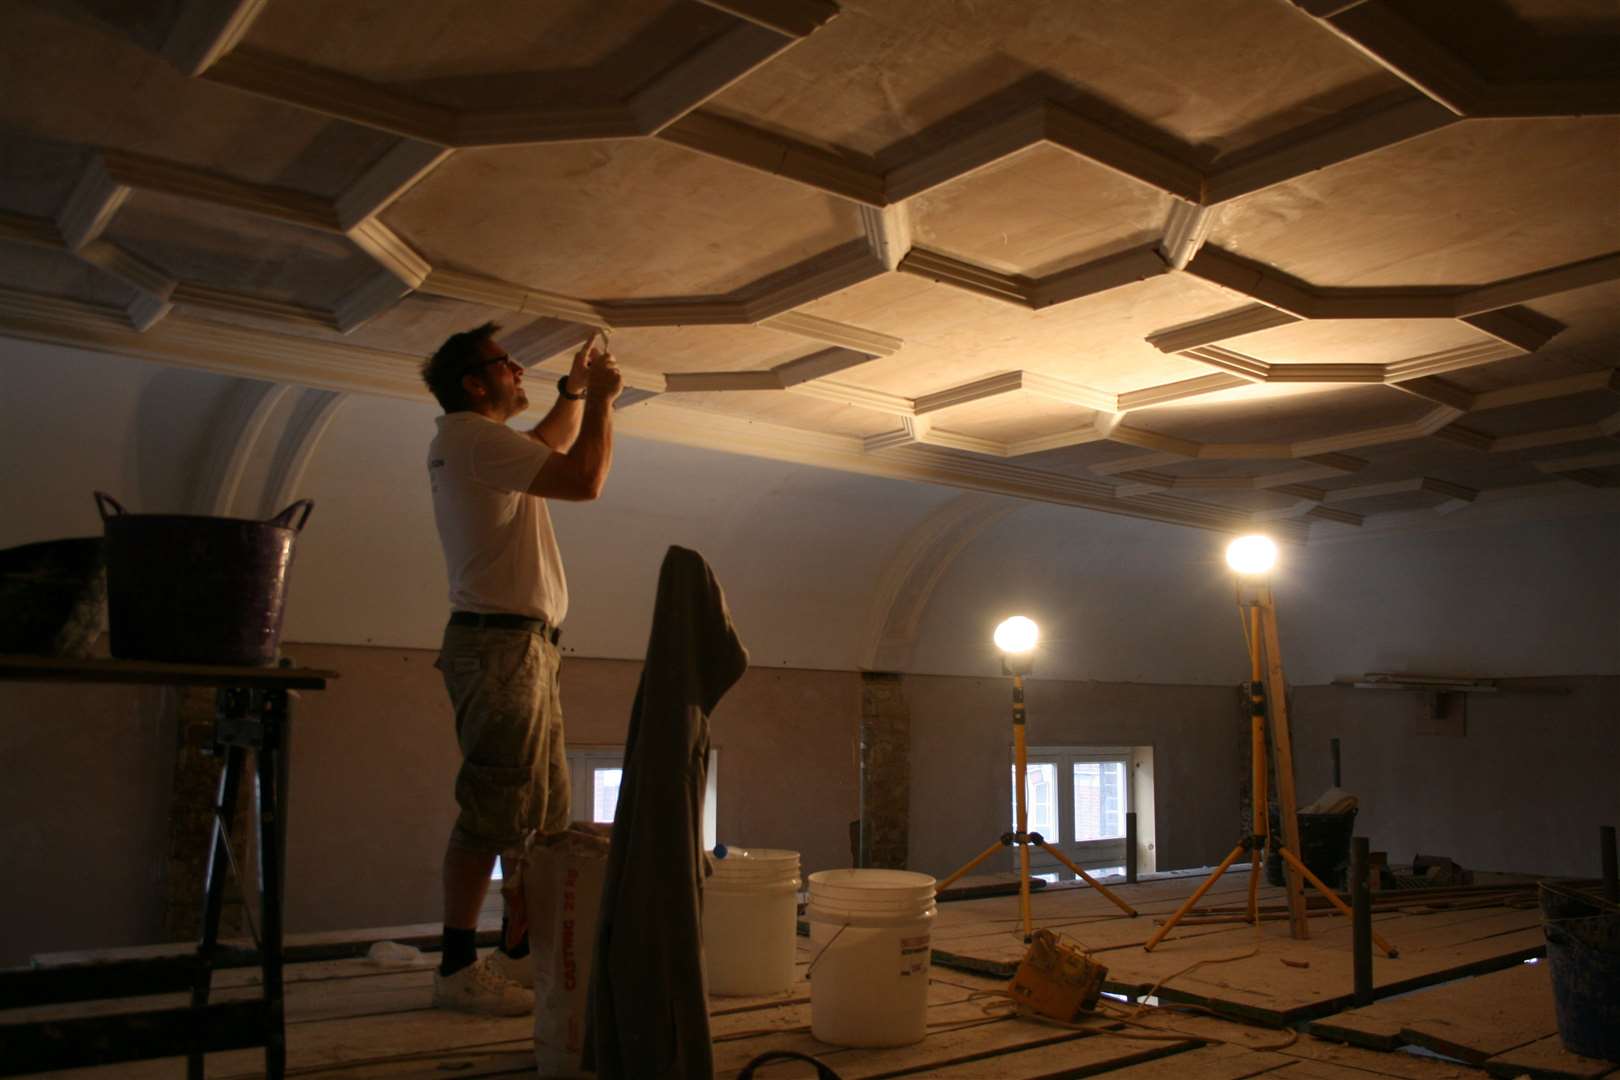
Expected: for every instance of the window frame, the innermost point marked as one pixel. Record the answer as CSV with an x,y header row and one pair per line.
x,y
1083,853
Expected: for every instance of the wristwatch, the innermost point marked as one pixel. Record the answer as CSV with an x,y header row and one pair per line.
x,y
562,391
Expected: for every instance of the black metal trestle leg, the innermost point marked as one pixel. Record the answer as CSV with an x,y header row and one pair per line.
x,y
219,860
271,759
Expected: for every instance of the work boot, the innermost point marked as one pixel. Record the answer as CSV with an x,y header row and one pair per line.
x,y
481,988
520,969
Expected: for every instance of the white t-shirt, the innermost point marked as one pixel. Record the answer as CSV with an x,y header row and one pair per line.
x,y
498,544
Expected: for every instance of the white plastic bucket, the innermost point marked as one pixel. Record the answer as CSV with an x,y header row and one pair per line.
x,y
870,940
750,921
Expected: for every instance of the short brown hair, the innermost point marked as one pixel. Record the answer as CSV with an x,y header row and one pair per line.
x,y
456,357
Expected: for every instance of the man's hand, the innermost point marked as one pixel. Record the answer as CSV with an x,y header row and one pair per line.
x,y
579,373
606,381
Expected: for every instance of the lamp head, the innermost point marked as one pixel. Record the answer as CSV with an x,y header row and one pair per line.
x,y
1254,554
1017,635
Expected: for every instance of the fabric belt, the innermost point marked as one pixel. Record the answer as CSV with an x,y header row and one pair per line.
x,y
500,621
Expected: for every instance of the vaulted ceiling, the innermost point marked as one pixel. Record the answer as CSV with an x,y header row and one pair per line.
x,y
1210,261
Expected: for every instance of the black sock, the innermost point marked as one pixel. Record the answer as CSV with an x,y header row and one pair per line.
x,y
518,951
460,949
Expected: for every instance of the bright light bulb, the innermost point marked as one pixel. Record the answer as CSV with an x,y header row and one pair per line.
x,y
1017,635
1251,554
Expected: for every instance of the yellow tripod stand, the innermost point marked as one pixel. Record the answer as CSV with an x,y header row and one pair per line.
x,y
1023,838
1267,697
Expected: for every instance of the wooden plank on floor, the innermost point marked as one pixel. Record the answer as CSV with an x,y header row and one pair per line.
x,y
1548,1058
1471,1019
1101,1053
1206,1063
1294,1046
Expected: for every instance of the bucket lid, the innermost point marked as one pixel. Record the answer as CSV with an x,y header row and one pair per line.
x,y
872,887
758,865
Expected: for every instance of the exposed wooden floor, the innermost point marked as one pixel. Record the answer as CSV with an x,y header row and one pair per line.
x,y
351,1019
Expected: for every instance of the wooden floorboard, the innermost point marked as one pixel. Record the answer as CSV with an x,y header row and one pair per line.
x,y
350,1019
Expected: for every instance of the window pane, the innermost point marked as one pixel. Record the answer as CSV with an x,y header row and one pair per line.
x,y
1099,800
1042,799
605,793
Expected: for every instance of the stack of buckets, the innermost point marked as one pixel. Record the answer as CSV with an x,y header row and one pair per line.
x,y
869,939
750,921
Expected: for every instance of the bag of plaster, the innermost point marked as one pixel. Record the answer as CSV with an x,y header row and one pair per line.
x,y
562,886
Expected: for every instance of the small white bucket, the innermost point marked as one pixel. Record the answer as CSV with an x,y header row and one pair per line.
x,y
750,921
870,939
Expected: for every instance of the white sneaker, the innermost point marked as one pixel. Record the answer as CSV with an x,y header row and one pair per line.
x,y
519,969
480,987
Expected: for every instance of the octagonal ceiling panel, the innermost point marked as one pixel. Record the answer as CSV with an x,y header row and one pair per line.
x,y
1037,212
1355,341
39,174
953,336
667,350
1284,419
904,67
792,410
1246,500
1525,40
1439,459
195,242
1471,203
1393,502
1012,417
1079,459
480,54
617,220
1572,411
56,273
68,77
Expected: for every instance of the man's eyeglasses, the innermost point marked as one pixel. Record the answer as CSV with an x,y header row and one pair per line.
x,y
480,365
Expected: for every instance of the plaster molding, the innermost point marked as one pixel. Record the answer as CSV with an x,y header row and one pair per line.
x,y
856,338
1179,391
377,294
1185,230
1384,36
858,396
673,93
1103,145
172,178
205,297
312,414
391,253
232,439
405,165
1218,328
914,569
1100,275
793,18
91,207
207,30
888,232
1293,155
29,231
1542,283
741,144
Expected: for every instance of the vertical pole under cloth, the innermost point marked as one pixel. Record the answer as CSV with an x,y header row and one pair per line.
x,y
1020,760
1282,740
1130,847
271,760
1259,789
1611,878
1361,920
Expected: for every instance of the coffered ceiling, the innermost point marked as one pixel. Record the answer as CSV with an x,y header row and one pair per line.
x,y
1216,262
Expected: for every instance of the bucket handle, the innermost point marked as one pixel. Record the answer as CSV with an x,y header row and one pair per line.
x,y
104,500
284,519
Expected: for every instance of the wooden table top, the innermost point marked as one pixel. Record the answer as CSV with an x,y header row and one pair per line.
x,y
15,668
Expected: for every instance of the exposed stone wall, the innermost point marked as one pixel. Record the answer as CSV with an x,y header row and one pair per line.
x,y
885,825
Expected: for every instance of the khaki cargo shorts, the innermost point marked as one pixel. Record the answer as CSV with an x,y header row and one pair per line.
x,y
509,724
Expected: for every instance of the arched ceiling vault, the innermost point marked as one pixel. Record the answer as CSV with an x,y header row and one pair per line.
x,y
1209,262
